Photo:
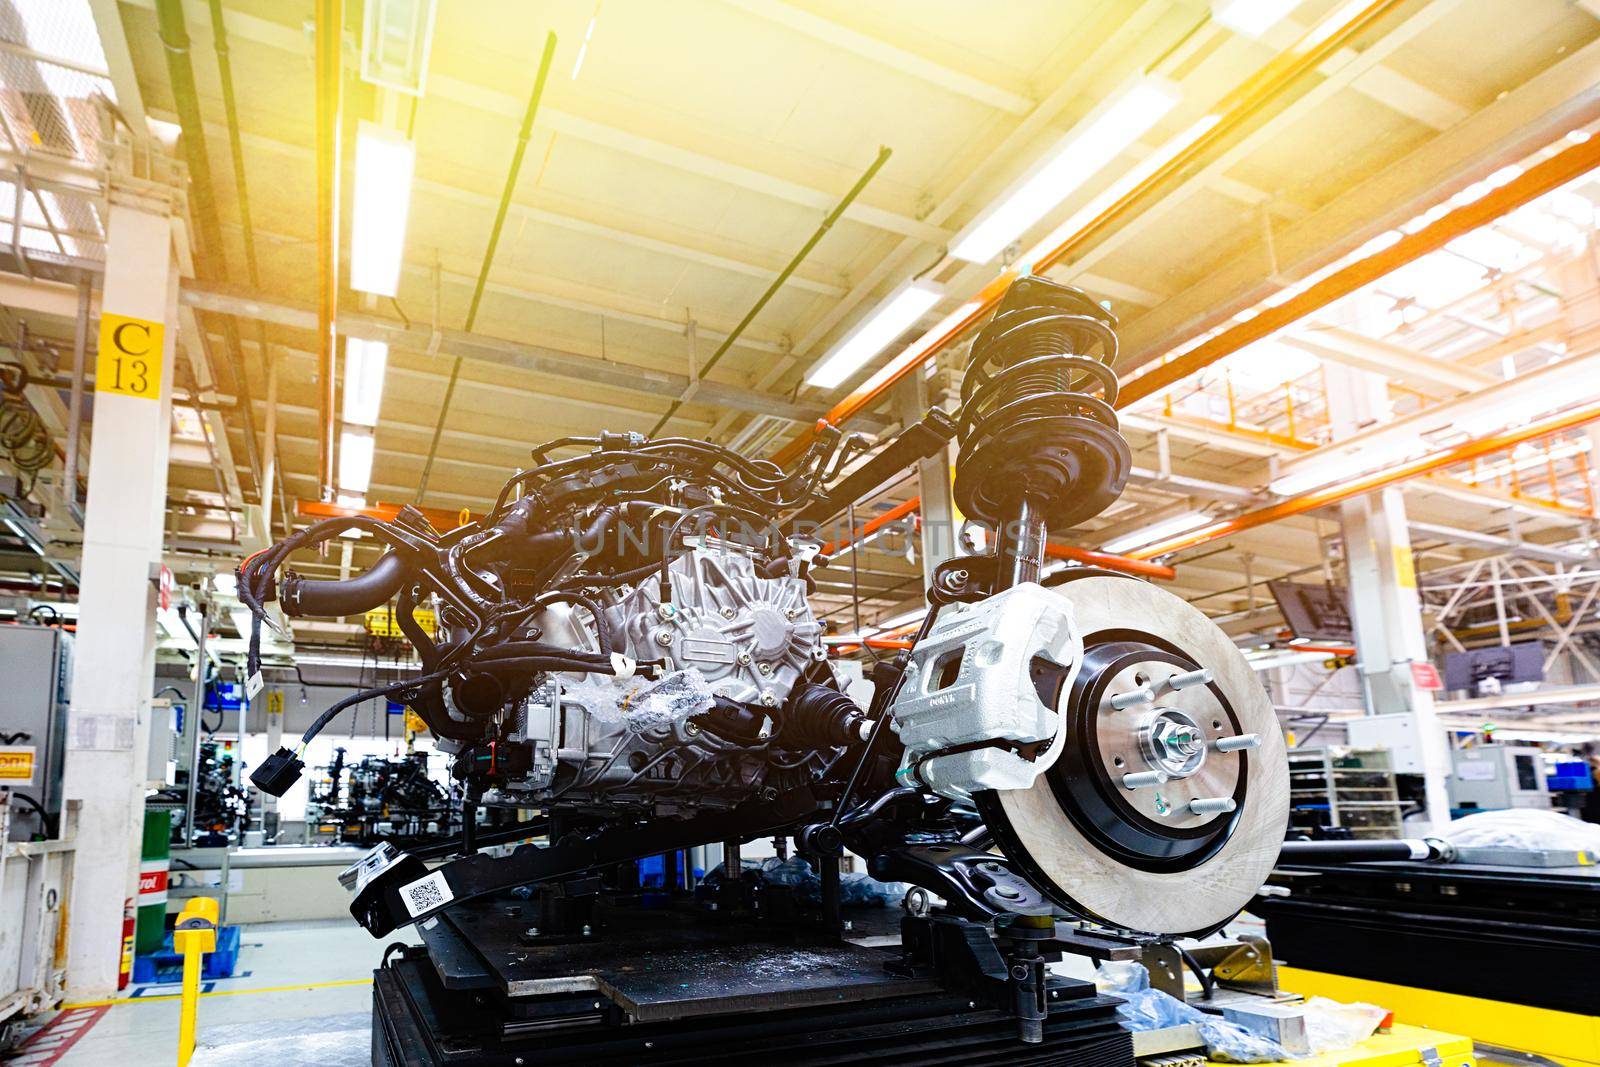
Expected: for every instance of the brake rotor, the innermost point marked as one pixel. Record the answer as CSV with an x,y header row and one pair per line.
x,y
1167,808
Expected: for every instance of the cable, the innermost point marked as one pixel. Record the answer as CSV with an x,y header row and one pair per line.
x,y
1207,983
46,820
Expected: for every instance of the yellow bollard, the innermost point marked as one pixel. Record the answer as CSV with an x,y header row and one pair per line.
x,y
194,935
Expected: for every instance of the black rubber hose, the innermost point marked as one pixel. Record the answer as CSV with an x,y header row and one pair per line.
x,y
331,598
1207,983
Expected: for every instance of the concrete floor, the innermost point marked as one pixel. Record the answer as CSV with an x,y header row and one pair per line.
x,y
293,977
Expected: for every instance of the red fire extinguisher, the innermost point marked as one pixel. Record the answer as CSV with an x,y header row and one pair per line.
x,y
125,970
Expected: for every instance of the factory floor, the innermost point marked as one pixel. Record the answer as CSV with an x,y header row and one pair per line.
x,y
292,975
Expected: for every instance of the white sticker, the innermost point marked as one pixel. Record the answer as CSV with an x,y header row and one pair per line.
x,y
425,894
253,684
102,733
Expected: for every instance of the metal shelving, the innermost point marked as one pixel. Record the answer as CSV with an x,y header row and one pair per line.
x,y
1353,788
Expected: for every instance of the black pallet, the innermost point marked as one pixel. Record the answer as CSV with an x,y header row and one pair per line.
x,y
1452,928
417,1022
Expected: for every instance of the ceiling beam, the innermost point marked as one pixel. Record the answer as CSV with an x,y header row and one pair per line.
x,y
1564,96
881,53
571,213
536,359
1352,349
703,162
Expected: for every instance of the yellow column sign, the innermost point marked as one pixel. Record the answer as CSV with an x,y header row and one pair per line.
x,y
130,357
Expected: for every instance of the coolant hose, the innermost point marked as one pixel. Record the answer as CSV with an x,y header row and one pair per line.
x,y
331,598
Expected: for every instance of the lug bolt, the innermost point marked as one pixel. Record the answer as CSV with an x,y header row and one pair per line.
x,y
1184,681
1211,805
1132,697
1139,779
1237,742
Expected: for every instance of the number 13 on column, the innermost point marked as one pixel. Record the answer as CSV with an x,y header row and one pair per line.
x,y
130,357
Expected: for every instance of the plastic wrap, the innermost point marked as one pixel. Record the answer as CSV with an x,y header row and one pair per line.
x,y
856,888
1332,1026
1525,828
641,704
1143,1008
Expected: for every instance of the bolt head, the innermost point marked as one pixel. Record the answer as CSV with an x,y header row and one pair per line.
x,y
744,658
765,668
792,614
663,637
666,611
769,698
728,613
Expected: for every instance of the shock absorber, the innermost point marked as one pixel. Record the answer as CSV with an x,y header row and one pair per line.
x,y
1040,447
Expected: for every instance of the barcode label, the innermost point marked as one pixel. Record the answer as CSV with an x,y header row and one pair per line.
x,y
425,894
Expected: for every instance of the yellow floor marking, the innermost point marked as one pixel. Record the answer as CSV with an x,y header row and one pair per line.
x,y
219,993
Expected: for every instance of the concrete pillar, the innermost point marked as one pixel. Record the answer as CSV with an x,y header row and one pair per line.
x,y
114,663
1384,604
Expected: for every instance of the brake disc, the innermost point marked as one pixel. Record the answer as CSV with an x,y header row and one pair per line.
x,y
1167,808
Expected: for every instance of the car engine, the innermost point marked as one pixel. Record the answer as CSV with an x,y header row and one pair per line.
x,y
626,649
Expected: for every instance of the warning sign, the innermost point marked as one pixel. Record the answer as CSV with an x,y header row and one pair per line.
x,y
129,362
1426,676
16,764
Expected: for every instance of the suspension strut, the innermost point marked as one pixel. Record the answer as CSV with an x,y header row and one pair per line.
x,y
1039,443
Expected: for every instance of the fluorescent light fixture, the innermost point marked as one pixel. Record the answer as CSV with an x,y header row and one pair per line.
x,y
583,49
384,164
1159,531
912,352
873,334
25,536
1117,190
355,461
1251,17
396,37
1335,21
1093,143
364,363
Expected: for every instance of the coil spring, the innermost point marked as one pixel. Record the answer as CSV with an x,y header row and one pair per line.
x,y
1036,420
23,435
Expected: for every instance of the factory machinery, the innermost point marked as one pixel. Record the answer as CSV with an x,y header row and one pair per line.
x,y
378,799
1080,764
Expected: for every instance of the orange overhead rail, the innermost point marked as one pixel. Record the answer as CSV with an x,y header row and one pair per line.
x,y
872,526
1314,47
1366,483
1538,180
441,519
1126,564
